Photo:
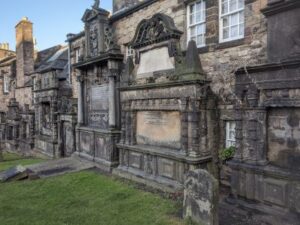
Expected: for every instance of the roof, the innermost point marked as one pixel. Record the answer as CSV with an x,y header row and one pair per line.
x,y
57,61
7,60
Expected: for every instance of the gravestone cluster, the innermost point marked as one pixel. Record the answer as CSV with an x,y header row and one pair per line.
x,y
149,95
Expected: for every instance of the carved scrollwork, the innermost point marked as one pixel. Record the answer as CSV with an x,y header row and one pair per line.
x,y
157,29
108,38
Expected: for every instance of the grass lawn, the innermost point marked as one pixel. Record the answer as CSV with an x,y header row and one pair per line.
x,y
11,160
84,198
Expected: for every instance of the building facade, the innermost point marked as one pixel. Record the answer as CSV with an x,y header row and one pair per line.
x,y
158,87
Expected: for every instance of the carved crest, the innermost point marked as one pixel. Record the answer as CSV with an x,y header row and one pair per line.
x,y
157,29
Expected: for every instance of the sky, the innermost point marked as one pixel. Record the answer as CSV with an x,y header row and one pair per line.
x,y
52,19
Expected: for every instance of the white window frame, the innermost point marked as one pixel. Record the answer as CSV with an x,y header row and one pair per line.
x,y
202,22
5,85
230,140
129,51
221,16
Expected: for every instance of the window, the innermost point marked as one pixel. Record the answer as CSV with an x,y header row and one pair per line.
x,y
230,134
231,20
196,22
129,51
6,85
77,55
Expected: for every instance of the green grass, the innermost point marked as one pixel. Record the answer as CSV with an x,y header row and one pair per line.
x,y
11,160
84,198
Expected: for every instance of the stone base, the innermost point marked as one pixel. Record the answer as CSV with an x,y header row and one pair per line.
x,y
98,146
46,147
242,211
270,189
158,167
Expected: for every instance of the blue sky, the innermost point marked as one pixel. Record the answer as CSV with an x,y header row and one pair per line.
x,y
52,19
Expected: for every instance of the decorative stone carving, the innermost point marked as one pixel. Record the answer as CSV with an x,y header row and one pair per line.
x,y
159,28
93,40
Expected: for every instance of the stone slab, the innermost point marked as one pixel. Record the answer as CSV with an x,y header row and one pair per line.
x,y
159,128
14,173
153,61
201,197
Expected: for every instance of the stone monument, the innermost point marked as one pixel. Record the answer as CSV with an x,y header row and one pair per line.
x,y
201,197
267,161
168,112
98,128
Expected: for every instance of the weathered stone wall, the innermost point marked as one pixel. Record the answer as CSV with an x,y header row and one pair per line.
x,y
76,47
121,4
218,60
24,96
5,71
4,53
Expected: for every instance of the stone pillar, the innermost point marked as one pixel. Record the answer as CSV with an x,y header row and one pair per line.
x,y
201,197
113,70
112,103
184,126
80,99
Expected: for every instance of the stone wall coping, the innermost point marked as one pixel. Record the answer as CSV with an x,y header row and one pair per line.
x,y
267,170
99,59
166,84
166,152
280,7
269,67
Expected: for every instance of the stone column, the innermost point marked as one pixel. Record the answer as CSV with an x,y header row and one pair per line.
x,y
184,125
113,70
80,99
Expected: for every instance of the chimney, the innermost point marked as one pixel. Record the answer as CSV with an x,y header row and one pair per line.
x,y
24,51
4,46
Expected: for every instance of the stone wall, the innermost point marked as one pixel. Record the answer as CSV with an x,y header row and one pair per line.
x,y
118,5
24,96
76,47
5,71
218,60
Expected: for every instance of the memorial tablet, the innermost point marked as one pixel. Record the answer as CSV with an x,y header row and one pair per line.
x,y
99,98
159,128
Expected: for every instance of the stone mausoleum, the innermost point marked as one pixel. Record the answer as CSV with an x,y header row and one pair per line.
x,y
158,88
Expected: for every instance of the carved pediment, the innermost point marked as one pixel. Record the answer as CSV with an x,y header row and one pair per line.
x,y
157,29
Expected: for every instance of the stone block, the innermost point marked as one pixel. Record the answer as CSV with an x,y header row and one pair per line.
x,y
201,197
15,173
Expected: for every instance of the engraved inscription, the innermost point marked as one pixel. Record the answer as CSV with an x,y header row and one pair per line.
x,y
99,97
159,128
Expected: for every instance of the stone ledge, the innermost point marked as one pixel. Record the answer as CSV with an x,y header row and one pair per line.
x,y
166,153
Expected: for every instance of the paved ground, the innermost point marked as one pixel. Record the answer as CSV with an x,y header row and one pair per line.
x,y
60,166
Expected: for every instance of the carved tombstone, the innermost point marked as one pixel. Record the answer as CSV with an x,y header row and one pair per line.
x,y
201,197
98,98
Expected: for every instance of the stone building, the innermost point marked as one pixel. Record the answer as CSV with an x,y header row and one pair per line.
x,y
30,82
161,88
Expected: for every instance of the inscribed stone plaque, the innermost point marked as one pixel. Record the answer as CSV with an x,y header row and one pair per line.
x,y
153,61
99,98
99,105
159,128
